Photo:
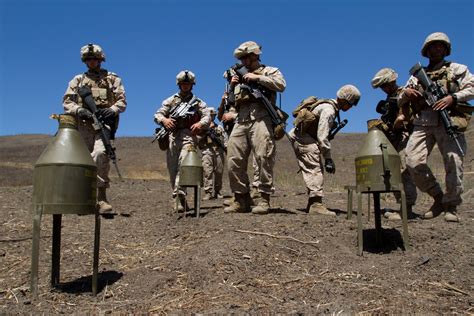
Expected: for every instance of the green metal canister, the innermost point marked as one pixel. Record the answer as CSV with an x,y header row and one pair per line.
x,y
377,164
190,171
65,176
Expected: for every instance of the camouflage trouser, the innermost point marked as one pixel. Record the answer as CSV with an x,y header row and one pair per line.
x,y
96,148
255,137
256,172
180,141
310,162
213,168
418,149
407,180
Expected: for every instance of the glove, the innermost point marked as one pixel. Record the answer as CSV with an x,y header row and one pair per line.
x,y
84,114
106,116
330,166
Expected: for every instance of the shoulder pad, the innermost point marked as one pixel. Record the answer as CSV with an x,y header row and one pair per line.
x,y
112,74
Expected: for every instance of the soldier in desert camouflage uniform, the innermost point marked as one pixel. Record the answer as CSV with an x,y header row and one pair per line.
x,y
458,82
213,147
311,142
184,131
229,117
253,131
397,130
109,96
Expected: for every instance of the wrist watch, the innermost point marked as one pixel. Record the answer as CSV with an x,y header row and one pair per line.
x,y
455,98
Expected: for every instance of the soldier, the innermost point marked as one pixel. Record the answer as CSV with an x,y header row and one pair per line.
x,y
397,130
228,118
213,147
310,142
184,130
253,131
109,96
429,130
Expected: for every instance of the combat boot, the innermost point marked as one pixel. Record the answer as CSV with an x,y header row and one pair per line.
x,y
181,205
228,201
396,216
450,214
436,209
207,196
254,194
316,207
104,206
263,204
240,204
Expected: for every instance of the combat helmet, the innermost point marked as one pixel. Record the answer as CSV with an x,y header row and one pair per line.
x,y
92,51
185,76
247,48
436,37
349,93
383,76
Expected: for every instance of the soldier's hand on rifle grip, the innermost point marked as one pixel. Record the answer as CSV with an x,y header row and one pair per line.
x,y
399,122
330,166
412,94
227,117
234,80
196,128
105,114
169,123
251,77
443,103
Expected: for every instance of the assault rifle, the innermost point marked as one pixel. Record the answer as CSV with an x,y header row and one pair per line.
x,y
105,134
182,110
388,109
336,128
215,138
228,101
432,93
277,117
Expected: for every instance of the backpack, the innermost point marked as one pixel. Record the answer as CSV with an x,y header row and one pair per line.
x,y
305,120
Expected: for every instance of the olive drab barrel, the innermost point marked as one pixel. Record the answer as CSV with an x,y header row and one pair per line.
x,y
377,164
190,171
64,182
65,176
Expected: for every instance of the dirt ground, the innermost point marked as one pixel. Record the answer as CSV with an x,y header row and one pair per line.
x,y
152,260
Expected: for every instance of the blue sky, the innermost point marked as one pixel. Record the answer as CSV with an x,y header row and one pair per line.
x,y
318,45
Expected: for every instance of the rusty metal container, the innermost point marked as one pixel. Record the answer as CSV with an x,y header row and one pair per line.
x,y
377,164
65,176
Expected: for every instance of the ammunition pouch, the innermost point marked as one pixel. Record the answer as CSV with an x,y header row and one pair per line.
x,y
187,121
306,122
461,116
164,143
242,95
279,130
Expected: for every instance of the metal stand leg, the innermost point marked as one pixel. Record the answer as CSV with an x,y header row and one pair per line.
x,y
95,265
349,202
404,217
176,201
360,237
368,208
378,219
56,251
197,200
38,212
